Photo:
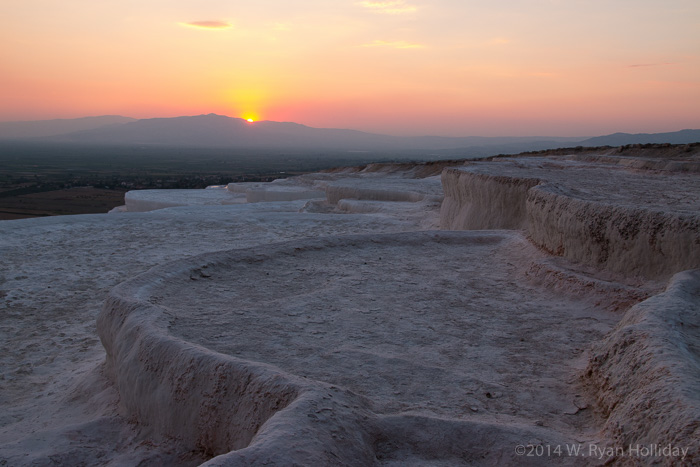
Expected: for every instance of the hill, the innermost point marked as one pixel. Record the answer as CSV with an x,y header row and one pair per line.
x,y
44,128
220,131
621,139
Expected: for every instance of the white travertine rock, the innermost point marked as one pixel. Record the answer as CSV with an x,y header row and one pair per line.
x,y
637,223
476,201
117,210
389,189
58,405
634,241
242,187
391,347
646,373
281,193
151,200
327,350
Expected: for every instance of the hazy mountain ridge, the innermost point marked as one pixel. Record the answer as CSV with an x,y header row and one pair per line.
x,y
221,131
46,128
621,139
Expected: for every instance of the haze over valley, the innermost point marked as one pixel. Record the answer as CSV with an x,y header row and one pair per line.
x,y
85,165
221,131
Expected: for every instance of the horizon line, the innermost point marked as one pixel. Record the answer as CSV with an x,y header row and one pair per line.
x,y
135,119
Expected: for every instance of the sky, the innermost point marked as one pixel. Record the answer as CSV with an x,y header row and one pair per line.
x,y
403,67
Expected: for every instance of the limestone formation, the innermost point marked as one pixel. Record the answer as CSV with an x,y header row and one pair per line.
x,y
332,318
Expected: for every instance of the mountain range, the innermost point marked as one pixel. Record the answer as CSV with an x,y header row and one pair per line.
x,y
220,131
45,128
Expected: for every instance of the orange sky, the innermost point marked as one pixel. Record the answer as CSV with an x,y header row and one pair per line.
x,y
450,67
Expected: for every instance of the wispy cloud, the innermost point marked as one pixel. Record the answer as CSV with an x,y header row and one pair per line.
x,y
644,65
207,25
394,45
391,7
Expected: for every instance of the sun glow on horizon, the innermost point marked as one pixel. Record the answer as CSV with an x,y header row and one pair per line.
x,y
250,117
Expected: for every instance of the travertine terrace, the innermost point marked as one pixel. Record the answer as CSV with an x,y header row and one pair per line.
x,y
418,314
638,222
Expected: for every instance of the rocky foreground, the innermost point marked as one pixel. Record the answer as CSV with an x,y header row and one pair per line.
x,y
536,309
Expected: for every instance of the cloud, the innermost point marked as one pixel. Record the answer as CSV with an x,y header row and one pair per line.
x,y
644,65
207,25
394,45
391,7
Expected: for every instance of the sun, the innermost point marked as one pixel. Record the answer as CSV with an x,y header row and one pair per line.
x,y
250,120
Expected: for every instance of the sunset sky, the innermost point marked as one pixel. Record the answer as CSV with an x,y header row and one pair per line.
x,y
448,67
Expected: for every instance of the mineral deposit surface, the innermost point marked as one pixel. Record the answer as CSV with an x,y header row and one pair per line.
x,y
326,321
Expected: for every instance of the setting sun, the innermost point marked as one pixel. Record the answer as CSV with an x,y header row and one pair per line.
x,y
250,117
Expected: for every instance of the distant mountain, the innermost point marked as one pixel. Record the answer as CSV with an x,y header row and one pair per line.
x,y
220,131
43,128
621,139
